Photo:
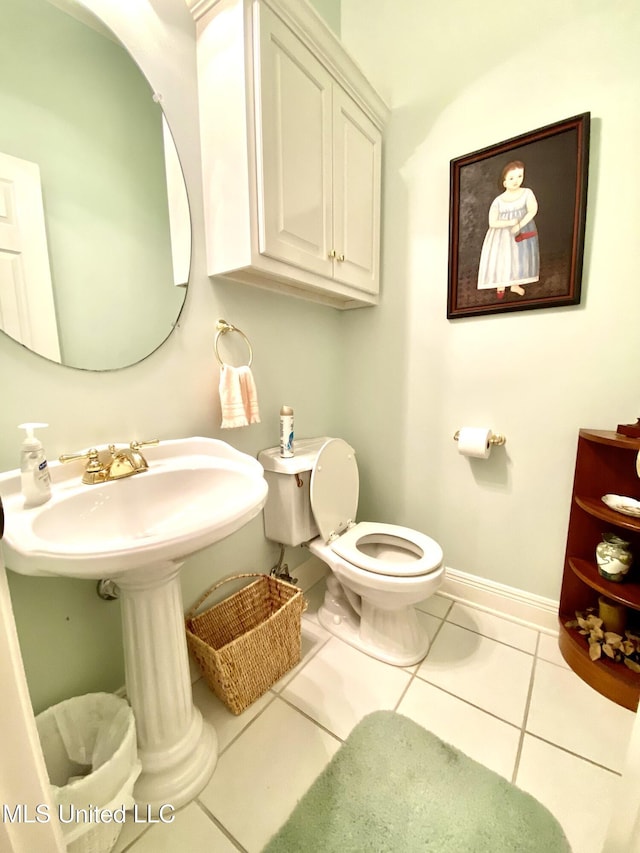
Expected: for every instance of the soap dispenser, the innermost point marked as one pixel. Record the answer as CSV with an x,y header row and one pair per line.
x,y
35,476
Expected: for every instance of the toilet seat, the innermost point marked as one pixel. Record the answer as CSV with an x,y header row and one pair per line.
x,y
384,549
403,552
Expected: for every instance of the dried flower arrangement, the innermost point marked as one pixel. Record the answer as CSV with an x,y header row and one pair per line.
x,y
620,649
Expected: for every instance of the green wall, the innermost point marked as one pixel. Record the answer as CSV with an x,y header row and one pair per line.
x,y
330,11
461,77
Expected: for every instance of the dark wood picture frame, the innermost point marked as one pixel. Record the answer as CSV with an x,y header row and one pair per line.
x,y
496,266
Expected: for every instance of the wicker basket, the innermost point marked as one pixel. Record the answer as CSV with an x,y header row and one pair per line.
x,y
246,642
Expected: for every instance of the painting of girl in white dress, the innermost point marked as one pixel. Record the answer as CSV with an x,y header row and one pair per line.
x,y
510,256
517,214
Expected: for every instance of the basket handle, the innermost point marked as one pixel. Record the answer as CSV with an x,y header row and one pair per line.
x,y
191,612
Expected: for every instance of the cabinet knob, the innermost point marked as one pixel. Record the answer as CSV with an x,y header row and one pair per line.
x,y
332,254
340,257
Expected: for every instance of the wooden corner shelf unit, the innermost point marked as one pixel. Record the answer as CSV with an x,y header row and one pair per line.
x,y
605,464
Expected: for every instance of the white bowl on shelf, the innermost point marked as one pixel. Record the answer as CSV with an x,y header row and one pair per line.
x,y
627,506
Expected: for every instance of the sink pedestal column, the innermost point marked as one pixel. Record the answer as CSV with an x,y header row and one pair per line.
x,y
177,748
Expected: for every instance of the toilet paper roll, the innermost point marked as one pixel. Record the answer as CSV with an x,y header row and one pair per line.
x,y
474,441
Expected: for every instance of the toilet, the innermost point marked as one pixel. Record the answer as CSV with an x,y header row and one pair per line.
x,y
379,572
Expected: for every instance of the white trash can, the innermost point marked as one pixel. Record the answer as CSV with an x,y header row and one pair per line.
x,y
90,750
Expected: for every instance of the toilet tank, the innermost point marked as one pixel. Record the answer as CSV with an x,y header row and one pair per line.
x,y
288,517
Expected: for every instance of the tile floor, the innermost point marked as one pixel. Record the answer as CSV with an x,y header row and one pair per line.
x,y
497,690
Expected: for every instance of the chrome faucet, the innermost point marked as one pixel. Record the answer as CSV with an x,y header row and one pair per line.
x,y
124,462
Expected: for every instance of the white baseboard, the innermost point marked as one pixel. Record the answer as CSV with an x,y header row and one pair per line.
x,y
506,601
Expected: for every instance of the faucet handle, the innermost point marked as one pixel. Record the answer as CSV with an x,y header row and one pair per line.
x,y
95,471
91,455
136,445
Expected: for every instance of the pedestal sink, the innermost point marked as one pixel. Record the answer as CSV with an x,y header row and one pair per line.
x,y
138,531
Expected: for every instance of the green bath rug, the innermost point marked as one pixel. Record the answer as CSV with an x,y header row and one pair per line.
x,y
394,787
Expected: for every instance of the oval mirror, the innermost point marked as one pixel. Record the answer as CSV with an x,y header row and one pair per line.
x,y
95,236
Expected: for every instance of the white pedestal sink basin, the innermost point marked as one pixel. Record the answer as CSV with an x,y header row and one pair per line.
x,y
138,531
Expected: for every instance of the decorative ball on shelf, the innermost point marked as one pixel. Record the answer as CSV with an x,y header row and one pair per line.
x,y
613,557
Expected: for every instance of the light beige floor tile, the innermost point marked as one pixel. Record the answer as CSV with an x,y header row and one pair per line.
x,y
495,627
482,737
548,650
431,624
227,725
130,831
569,713
264,773
272,753
491,675
191,829
340,685
436,605
579,794
313,637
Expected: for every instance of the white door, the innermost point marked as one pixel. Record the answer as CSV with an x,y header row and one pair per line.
x,y
357,156
294,171
24,784
27,310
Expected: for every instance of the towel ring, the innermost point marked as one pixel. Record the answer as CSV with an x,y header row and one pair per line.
x,y
222,328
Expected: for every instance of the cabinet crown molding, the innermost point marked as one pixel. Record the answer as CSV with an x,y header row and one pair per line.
x,y
311,28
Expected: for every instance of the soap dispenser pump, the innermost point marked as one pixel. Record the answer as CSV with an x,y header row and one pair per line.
x,y
35,476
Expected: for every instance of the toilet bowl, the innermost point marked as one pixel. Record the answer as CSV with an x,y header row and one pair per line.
x,y
379,572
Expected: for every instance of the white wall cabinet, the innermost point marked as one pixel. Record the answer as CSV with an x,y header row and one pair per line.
x,y
291,137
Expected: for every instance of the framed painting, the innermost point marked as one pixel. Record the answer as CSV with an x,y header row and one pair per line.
x,y
517,220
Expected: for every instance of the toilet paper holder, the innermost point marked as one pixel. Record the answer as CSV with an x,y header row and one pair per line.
x,y
495,440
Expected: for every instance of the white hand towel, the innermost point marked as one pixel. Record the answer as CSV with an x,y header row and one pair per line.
x,y
231,402
238,397
249,395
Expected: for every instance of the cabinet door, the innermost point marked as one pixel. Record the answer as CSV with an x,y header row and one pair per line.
x,y
356,194
294,152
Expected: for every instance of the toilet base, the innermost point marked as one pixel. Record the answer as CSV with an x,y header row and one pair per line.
x,y
392,636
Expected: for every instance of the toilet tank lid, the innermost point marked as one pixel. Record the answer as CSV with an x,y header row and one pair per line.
x,y
306,452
